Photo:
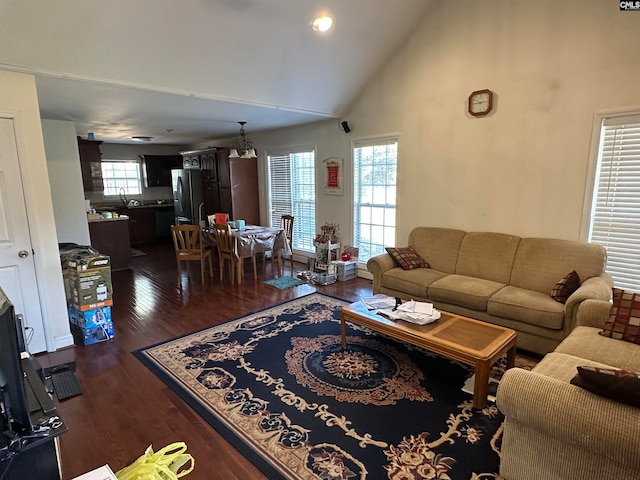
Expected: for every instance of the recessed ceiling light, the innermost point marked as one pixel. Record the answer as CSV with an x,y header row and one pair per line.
x,y
322,24
142,139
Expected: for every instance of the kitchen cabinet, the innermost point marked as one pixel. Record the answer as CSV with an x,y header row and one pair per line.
x,y
142,224
110,236
157,169
165,217
230,184
90,164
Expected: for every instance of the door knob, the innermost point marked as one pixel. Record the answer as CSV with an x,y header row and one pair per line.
x,y
23,254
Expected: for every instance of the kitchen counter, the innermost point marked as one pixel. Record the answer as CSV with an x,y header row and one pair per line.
x,y
110,236
113,219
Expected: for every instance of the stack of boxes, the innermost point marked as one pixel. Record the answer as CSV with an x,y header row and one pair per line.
x,y
346,269
87,279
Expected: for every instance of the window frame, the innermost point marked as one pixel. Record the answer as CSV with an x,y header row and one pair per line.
x,y
593,170
297,227
365,142
138,164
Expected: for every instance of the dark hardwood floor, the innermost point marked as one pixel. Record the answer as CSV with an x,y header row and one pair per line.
x,y
124,407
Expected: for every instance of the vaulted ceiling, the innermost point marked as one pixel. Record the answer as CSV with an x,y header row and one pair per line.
x,y
187,71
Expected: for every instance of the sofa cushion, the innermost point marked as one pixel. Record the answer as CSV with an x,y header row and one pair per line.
x,y
624,320
619,385
465,291
586,343
561,366
565,287
527,306
487,255
407,257
541,262
412,282
438,246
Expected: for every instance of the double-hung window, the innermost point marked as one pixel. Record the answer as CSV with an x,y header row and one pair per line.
x,y
292,191
121,177
615,207
375,166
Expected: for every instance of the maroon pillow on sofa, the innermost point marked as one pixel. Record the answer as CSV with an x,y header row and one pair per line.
x,y
616,384
624,319
407,257
565,287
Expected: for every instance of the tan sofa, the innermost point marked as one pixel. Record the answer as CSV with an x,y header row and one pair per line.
x,y
499,278
556,430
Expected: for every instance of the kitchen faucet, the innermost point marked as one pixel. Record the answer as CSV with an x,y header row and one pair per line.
x,y
123,195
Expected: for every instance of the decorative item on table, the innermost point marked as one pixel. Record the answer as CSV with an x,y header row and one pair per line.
x,y
219,218
353,253
240,225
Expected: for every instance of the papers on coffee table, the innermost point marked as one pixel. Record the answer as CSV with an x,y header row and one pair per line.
x,y
379,302
420,313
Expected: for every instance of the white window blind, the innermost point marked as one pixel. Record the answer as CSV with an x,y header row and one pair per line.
x,y
615,218
375,171
292,192
121,177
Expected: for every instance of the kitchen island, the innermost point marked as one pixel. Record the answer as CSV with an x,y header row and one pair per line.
x,y
110,236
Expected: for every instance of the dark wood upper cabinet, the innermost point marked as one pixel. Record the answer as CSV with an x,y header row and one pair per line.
x,y
90,164
157,169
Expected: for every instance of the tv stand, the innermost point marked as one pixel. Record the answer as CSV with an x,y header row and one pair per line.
x,y
34,455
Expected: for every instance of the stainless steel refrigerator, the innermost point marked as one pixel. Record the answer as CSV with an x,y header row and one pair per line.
x,y
188,197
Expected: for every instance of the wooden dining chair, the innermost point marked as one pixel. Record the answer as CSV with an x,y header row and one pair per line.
x,y
188,244
226,249
286,223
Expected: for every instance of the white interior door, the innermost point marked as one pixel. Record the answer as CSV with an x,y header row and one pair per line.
x,y
17,268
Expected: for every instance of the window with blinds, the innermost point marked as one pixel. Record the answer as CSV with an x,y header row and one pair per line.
x,y
615,216
292,191
375,171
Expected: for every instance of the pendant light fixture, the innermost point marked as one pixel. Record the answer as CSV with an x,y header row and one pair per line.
x,y
243,147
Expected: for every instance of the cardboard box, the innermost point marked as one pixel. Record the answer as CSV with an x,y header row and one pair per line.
x,y
89,282
91,326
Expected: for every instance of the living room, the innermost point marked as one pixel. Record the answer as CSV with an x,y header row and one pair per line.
x,y
524,169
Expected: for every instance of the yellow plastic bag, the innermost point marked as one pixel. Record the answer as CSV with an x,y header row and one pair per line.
x,y
163,465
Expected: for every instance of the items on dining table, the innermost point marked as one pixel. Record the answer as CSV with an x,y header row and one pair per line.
x,y
218,218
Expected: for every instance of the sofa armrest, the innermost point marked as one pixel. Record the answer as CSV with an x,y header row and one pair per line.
x,y
595,288
377,266
606,428
593,313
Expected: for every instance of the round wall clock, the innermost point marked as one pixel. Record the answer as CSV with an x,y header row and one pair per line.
x,y
480,102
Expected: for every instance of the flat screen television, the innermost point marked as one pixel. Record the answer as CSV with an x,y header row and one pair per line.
x,y
12,384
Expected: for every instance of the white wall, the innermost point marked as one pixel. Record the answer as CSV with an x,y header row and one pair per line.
x,y
523,168
18,94
65,180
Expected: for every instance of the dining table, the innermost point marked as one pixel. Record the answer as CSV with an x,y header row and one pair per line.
x,y
254,239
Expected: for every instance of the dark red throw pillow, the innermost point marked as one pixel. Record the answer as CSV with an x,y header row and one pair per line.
x,y
565,287
624,318
619,385
407,257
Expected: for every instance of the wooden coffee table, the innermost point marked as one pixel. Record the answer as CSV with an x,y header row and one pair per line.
x,y
466,340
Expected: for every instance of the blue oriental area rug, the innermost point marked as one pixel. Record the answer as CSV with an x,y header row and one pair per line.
x,y
280,388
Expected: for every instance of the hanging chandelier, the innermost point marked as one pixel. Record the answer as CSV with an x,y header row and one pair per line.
x,y
243,147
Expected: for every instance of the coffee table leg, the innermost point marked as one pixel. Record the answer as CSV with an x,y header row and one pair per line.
x,y
511,357
481,385
343,331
